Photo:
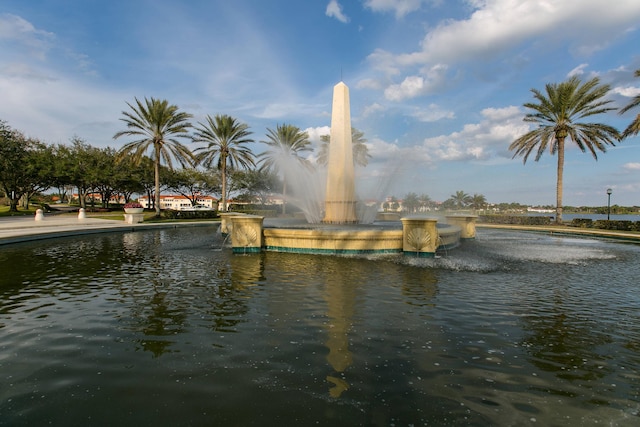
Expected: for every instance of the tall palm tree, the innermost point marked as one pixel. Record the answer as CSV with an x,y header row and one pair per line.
x,y
460,199
361,154
226,148
157,124
634,127
425,201
286,143
478,201
558,116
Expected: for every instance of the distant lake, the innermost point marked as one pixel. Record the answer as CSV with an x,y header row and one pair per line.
x,y
571,216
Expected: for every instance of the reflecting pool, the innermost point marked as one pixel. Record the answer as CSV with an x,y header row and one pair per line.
x,y
167,327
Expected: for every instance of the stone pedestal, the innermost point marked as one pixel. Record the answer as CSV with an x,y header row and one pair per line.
x,y
133,218
39,215
246,233
225,221
467,224
419,236
82,214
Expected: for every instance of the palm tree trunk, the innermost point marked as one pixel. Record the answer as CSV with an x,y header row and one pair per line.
x,y
559,181
284,197
224,185
156,168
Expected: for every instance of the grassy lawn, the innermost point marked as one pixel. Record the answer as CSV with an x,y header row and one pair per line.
x,y
4,211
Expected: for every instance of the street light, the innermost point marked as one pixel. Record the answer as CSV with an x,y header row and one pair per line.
x,y
609,191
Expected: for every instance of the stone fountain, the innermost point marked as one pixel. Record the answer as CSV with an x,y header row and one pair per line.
x,y
340,232
340,200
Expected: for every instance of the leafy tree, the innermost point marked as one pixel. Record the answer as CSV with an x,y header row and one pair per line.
x,y
131,177
40,169
361,154
192,183
106,176
157,124
226,140
23,165
285,144
634,127
62,164
256,184
145,175
80,164
558,115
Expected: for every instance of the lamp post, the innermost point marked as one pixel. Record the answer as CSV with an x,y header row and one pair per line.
x,y
609,191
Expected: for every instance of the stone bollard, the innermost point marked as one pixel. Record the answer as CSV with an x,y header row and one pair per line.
x,y
81,214
133,218
419,236
225,221
39,215
467,223
246,234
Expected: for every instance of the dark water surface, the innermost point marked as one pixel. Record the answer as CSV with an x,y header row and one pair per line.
x,y
166,328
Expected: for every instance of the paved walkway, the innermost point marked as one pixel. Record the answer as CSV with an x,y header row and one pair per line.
x,y
26,228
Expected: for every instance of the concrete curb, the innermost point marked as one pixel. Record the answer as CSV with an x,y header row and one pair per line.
x,y
17,230
626,236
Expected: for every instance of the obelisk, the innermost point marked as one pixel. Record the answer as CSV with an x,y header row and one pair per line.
x,y
340,200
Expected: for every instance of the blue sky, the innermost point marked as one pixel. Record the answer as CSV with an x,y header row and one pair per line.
x,y
436,86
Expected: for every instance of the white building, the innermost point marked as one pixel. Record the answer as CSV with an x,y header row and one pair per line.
x,y
179,202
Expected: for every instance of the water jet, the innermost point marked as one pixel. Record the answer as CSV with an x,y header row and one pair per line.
x,y
340,231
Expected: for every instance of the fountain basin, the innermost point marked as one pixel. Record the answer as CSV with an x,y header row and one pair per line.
x,y
332,241
415,236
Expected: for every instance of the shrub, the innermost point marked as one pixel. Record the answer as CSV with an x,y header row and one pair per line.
x,y
515,219
582,223
175,214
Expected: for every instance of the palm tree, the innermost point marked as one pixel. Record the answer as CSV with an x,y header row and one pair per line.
x,y
157,124
286,143
460,200
558,115
361,154
634,127
478,201
226,140
425,202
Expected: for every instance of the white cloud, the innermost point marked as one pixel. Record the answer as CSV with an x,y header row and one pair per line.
x,y
88,112
400,7
632,166
372,109
334,10
629,91
480,141
413,86
368,84
316,133
384,61
380,149
500,25
15,29
432,113
578,71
